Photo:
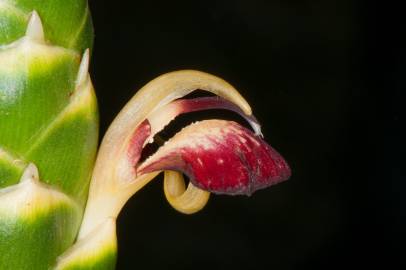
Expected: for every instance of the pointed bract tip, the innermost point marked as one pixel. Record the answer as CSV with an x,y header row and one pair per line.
x,y
83,68
34,29
30,173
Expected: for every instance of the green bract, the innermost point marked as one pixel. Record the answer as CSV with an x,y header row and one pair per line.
x,y
48,118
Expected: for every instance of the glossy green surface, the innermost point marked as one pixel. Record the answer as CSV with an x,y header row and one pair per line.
x,y
48,119
36,225
37,82
67,23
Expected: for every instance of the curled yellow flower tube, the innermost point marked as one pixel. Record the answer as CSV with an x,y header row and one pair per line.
x,y
186,201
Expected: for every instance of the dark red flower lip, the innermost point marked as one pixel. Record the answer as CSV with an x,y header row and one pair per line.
x,y
221,157
218,156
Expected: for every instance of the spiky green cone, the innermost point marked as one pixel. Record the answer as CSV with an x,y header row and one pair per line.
x,y
48,118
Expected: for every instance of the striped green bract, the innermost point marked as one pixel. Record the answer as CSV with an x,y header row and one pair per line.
x,y
48,117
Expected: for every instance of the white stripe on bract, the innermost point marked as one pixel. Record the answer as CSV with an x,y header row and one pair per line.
x,y
83,76
12,159
83,98
30,197
98,243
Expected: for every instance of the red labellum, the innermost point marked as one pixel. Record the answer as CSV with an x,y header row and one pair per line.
x,y
205,103
220,157
137,141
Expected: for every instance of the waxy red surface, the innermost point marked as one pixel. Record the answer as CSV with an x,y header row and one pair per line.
x,y
137,141
209,103
221,157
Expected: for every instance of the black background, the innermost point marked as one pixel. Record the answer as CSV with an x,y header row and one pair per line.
x,y
325,78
